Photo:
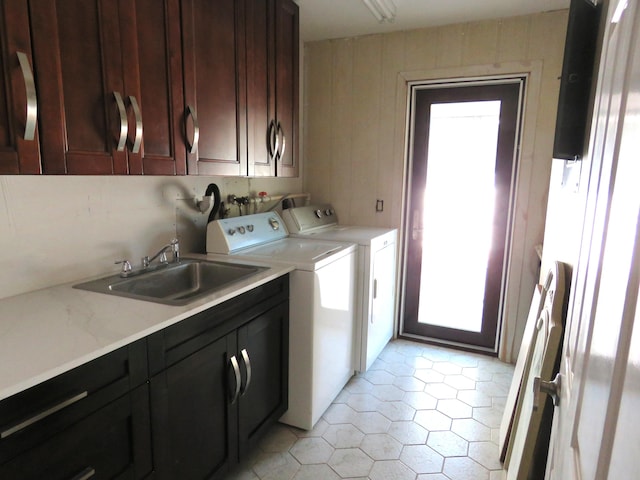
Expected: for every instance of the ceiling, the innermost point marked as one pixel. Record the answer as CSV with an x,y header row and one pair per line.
x,y
323,19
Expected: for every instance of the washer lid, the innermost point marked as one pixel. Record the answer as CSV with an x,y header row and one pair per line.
x,y
303,253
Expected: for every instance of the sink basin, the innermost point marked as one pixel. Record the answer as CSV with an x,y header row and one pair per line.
x,y
175,284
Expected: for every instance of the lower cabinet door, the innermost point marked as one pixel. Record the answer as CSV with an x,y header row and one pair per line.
x,y
112,443
263,352
194,421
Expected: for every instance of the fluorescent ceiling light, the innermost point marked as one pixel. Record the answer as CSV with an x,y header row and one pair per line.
x,y
383,10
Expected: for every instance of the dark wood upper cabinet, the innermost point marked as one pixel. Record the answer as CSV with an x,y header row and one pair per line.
x,y
160,87
104,67
17,153
272,87
214,86
150,32
287,48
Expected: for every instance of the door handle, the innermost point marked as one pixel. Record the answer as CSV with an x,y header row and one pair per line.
x,y
193,146
233,361
272,140
124,126
283,144
137,140
247,365
552,388
32,100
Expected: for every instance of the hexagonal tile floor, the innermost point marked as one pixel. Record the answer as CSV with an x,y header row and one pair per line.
x,y
420,412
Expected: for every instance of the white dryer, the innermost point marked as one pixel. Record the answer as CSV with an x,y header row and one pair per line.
x,y
322,305
375,279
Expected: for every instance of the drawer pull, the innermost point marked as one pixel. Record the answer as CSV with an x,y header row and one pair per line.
x,y
236,373
32,101
84,474
247,364
41,415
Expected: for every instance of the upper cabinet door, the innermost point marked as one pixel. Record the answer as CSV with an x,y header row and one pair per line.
x,y
77,55
287,48
19,151
272,87
152,70
261,125
214,85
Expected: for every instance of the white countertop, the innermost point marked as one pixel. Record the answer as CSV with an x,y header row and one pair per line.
x,y
51,331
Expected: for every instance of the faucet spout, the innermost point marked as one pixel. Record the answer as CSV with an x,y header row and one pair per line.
x,y
174,246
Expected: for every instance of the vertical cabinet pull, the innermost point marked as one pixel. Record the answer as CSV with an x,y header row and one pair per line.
x,y
283,143
247,365
193,145
124,127
137,140
84,474
32,100
375,288
272,140
44,414
236,372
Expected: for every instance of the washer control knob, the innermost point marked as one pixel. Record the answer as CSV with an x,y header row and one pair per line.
x,y
250,227
274,223
318,213
241,230
231,231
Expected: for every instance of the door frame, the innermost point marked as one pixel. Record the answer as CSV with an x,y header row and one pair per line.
x,y
412,86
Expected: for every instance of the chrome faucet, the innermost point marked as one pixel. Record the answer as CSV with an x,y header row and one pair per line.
x,y
129,271
174,246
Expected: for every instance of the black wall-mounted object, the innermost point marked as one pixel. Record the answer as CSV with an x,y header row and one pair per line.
x,y
575,83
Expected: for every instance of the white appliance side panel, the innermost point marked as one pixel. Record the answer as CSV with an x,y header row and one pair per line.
x,y
378,329
320,339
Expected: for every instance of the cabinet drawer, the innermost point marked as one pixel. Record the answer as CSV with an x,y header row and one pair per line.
x,y
182,339
111,443
31,417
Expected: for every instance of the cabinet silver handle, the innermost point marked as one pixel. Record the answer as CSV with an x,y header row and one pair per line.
x,y
84,474
272,140
42,415
247,364
284,141
193,146
124,126
137,140
236,371
32,100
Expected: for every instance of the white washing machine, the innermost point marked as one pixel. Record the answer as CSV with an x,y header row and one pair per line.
x,y
322,305
376,274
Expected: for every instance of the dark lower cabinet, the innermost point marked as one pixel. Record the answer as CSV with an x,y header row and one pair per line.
x,y
210,408
91,422
188,402
192,415
114,442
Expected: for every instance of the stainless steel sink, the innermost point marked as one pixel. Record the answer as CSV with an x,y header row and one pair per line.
x,y
175,284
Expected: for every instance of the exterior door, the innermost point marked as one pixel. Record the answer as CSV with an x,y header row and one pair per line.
x,y
463,151
596,433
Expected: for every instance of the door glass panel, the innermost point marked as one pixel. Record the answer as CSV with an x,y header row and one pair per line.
x,y
458,213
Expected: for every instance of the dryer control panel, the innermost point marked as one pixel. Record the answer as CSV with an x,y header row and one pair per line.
x,y
307,218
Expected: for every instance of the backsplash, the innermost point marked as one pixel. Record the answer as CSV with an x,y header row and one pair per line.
x,y
58,229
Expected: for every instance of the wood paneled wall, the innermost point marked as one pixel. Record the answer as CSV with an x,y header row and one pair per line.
x,y
354,127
